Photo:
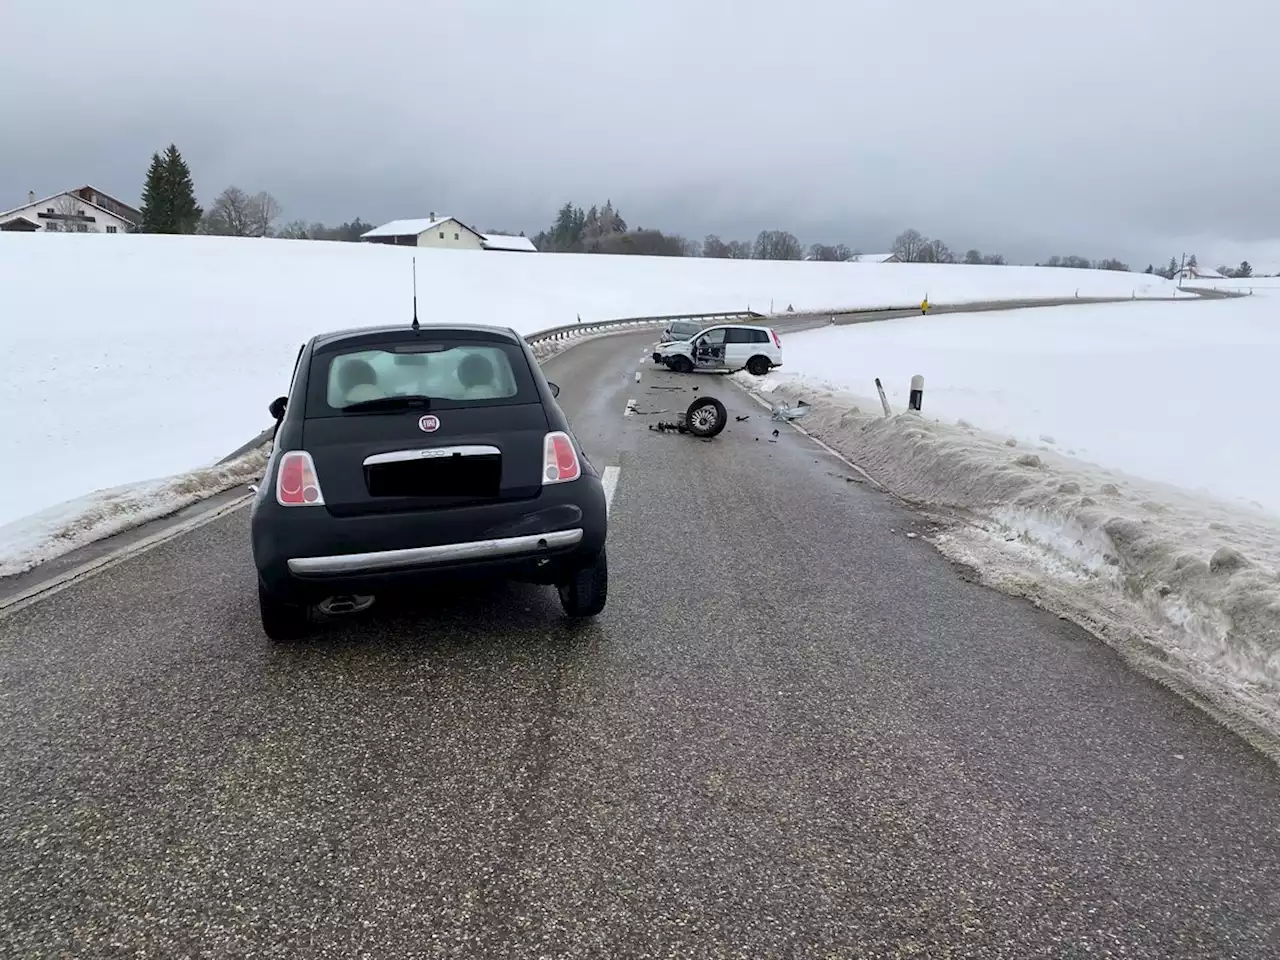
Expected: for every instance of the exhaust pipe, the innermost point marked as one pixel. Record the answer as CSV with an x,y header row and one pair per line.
x,y
342,605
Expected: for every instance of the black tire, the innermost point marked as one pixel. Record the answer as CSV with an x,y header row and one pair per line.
x,y
758,366
585,592
681,364
657,358
706,417
282,622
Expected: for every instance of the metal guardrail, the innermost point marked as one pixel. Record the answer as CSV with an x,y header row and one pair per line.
x,y
842,315
578,329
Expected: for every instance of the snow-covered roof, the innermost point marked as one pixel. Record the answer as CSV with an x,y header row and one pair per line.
x,y
405,228
1203,273
871,257
498,241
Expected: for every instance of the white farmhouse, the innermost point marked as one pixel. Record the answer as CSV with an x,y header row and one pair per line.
x,y
1195,272
83,210
447,232
874,258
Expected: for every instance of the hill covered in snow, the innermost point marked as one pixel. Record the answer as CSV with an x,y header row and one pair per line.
x,y
135,358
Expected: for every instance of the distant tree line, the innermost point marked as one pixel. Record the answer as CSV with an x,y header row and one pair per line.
x,y
1242,272
169,206
602,229
1084,263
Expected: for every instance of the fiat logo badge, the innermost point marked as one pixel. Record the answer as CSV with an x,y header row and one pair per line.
x,y
429,424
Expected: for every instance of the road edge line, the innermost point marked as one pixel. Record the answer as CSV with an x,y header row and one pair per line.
x,y
93,567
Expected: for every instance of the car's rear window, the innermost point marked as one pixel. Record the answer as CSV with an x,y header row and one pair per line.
x,y
452,373
685,328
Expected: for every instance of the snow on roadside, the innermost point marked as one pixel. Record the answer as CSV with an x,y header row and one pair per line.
x,y
1183,393
1184,585
68,526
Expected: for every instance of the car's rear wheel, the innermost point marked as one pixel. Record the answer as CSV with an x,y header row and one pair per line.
x,y
282,622
758,366
681,364
706,417
584,593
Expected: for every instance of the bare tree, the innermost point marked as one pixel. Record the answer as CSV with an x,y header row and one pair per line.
x,y
935,251
69,216
740,250
264,210
301,230
833,252
716,248
777,245
909,246
230,215
994,259
973,257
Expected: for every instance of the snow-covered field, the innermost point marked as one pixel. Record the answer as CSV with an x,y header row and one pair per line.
x,y
134,358
1118,463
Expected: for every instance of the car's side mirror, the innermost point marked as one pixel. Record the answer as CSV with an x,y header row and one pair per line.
x,y
554,388
277,408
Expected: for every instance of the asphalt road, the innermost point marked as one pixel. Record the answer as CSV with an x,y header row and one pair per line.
x,y
794,732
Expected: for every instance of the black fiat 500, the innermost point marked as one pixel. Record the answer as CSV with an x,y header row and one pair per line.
x,y
409,454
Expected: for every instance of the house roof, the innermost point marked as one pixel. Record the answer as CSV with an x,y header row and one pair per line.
x,y
498,241
1207,273
65,193
871,257
412,228
90,187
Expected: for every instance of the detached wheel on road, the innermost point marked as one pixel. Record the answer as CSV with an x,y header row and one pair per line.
x,y
706,417
585,592
681,364
758,366
282,622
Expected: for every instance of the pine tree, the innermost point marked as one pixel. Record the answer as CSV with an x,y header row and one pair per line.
x,y
185,213
154,198
168,198
1244,271
1192,261
1172,270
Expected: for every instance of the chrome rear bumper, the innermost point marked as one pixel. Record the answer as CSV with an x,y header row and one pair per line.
x,y
445,553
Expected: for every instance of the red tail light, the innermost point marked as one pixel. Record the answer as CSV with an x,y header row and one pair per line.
x,y
296,481
777,342
559,459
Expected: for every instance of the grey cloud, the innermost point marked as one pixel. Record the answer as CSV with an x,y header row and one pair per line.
x,y
1096,127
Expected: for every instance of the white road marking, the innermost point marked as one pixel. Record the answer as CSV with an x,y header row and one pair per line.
x,y
610,481
631,408
94,567
637,376
835,453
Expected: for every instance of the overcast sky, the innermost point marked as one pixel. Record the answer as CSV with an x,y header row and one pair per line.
x,y
1129,128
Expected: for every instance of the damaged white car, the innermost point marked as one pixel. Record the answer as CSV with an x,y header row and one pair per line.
x,y
727,348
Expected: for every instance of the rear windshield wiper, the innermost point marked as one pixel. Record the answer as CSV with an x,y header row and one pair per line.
x,y
395,402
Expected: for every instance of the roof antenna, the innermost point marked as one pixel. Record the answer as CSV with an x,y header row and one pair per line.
x,y
415,293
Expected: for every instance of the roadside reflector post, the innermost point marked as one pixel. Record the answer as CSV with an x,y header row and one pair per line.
x,y
917,392
884,401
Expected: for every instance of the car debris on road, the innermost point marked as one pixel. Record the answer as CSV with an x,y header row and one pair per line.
x,y
705,418
783,412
